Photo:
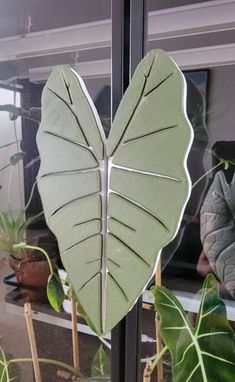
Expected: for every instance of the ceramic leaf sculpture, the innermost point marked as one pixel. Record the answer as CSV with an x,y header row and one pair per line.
x,y
114,203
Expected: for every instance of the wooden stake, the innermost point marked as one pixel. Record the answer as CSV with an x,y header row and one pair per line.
x,y
75,335
147,372
158,282
32,341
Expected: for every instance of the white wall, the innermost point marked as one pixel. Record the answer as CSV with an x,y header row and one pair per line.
x,y
11,179
221,105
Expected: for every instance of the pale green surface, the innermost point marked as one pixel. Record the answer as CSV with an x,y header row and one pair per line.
x,y
109,241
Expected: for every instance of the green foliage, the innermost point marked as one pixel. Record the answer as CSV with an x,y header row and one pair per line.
x,y
14,111
204,352
100,369
116,202
55,292
33,114
5,372
15,158
12,231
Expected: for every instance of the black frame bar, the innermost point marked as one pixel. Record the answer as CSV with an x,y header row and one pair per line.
x,y
129,25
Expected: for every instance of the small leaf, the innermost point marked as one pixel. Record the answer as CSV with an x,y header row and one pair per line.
x,y
15,158
101,365
55,292
14,112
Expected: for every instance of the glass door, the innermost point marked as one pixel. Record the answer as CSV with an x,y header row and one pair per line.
x,y
34,38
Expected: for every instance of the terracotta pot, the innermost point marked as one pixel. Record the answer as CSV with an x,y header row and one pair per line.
x,y
32,272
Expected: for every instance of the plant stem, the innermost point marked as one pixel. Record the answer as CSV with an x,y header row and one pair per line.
x,y
3,168
47,361
158,357
206,173
44,253
30,196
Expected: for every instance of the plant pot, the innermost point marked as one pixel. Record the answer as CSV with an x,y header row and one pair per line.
x,y
32,272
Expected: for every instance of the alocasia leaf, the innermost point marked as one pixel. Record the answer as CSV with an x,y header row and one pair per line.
x,y
113,204
218,229
204,353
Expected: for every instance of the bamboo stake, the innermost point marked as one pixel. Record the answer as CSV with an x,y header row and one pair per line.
x,y
75,335
147,372
158,282
32,341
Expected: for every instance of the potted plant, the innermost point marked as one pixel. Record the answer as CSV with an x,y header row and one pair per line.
x,y
31,263
34,263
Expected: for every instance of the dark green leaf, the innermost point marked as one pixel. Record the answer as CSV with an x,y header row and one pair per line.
x,y
101,365
15,158
217,229
204,353
55,292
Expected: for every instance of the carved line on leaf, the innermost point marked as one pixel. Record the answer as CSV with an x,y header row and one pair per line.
x,y
92,108
133,113
90,279
138,102
73,142
113,262
140,206
142,172
79,242
67,88
70,202
159,84
87,221
73,113
124,224
119,286
130,249
71,172
93,261
149,134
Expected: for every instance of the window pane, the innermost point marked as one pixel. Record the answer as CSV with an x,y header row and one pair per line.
x,y
34,38
202,46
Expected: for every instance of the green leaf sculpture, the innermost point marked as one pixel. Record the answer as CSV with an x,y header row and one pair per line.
x,y
204,353
113,204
